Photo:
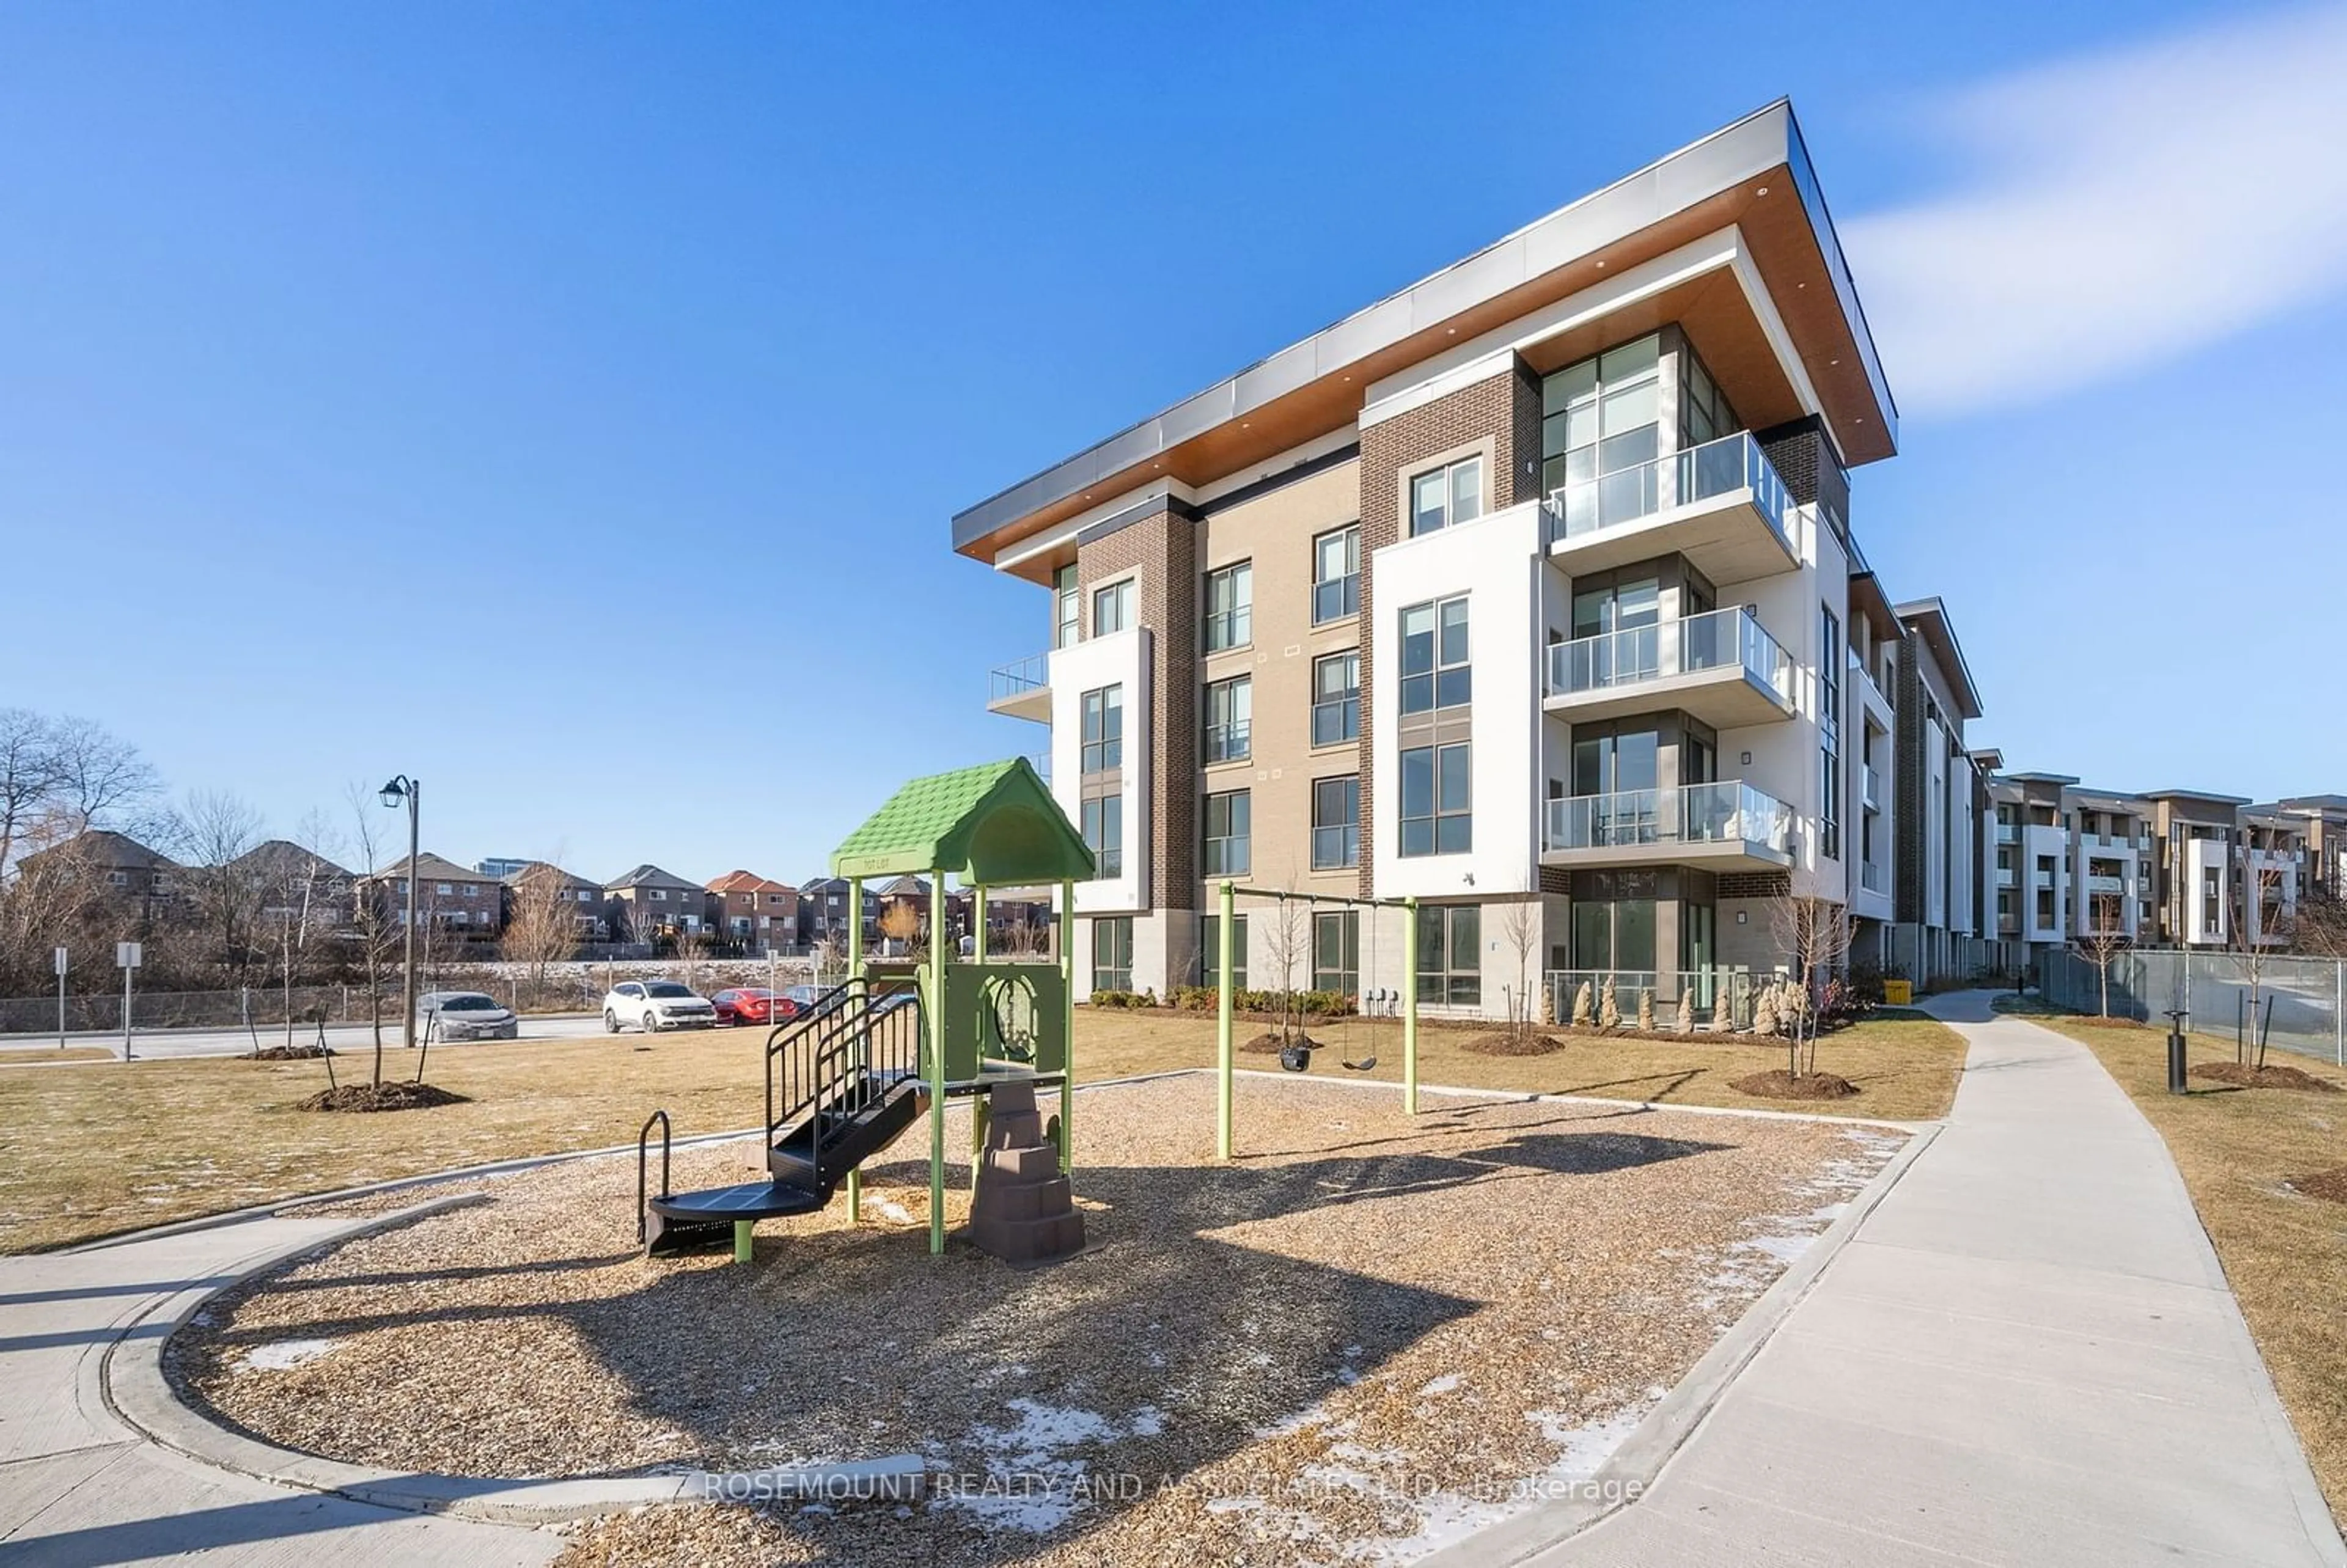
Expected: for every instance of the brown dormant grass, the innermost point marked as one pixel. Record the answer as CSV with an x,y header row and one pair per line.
x,y
96,1150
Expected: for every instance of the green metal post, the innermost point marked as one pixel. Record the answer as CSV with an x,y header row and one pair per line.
x,y
937,1062
855,967
741,1245
1223,1024
977,1105
1410,1008
978,924
1067,1006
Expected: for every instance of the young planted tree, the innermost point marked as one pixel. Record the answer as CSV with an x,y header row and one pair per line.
x,y
1287,940
900,922
1813,934
2260,930
377,933
2105,940
1520,929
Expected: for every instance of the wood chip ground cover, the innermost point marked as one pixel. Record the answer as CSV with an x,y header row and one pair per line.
x,y
1358,1341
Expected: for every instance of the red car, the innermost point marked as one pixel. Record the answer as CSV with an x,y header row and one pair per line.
x,y
753,1004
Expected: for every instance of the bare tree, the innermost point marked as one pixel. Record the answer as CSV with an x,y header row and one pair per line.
x,y
901,922
1813,934
212,835
2105,940
1286,940
376,924
99,775
2260,931
543,929
2321,928
1521,932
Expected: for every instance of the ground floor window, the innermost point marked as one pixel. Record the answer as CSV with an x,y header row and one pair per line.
x,y
1112,953
1614,929
1450,954
1337,952
1210,951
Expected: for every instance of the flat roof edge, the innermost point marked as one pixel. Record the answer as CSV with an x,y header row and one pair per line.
x,y
1775,139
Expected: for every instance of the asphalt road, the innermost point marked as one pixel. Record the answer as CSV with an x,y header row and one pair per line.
x,y
341,1037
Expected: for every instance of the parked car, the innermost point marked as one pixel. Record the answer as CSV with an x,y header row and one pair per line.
x,y
655,1005
753,1004
464,1015
804,997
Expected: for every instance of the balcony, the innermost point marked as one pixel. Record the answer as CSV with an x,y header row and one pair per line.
x,y
1023,689
1721,667
1874,878
1720,505
1723,826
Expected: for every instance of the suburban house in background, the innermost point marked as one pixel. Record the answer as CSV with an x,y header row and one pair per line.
x,y
755,911
648,902
143,881
503,866
583,895
1542,577
298,883
451,898
823,911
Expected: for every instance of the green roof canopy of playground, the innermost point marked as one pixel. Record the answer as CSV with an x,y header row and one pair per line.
x,y
993,825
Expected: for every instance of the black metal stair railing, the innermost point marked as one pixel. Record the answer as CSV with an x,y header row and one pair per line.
x,y
827,1067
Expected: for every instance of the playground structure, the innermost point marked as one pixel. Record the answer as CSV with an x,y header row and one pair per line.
x,y
1294,1059
873,1055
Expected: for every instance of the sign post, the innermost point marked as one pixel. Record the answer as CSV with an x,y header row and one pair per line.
x,y
126,954
64,961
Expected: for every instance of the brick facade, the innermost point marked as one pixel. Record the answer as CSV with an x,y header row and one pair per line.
x,y
1163,548
1503,410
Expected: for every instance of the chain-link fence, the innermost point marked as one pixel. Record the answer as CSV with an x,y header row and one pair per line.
x,y
2298,1002
568,988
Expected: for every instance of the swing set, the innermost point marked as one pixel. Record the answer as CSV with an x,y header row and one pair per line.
x,y
1296,1057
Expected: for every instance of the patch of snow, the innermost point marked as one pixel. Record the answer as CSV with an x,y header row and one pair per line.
x,y
1034,1482
287,1354
1442,1385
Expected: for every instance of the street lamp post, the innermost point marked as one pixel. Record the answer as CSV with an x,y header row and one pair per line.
x,y
403,788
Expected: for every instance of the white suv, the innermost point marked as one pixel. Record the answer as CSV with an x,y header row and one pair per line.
x,y
655,1005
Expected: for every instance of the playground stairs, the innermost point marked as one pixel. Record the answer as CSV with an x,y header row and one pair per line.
x,y
1023,1211
869,1111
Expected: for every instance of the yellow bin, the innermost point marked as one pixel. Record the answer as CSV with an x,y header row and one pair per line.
x,y
1898,993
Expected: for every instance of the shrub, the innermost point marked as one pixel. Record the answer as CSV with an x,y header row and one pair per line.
x,y
1123,999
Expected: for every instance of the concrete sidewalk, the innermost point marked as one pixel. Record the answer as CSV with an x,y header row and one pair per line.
x,y
79,1486
2027,1354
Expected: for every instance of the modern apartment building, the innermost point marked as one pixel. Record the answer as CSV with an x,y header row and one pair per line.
x,y
1941,786
1531,592
2322,819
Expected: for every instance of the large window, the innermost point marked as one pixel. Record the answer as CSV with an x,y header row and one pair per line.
x,y
1104,828
1601,431
1446,496
1228,819
1336,699
1337,574
1829,784
1703,413
1112,953
1113,608
1230,707
1613,922
1436,670
1230,607
1437,800
1210,951
1102,743
1336,822
1337,952
1449,954
1064,600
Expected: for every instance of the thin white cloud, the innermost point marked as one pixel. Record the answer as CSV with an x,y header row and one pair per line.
x,y
2120,209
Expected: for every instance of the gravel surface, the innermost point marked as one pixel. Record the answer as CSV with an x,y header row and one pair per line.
x,y
1354,1350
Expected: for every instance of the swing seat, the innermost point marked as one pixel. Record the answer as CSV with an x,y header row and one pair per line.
x,y
1296,1057
1367,1065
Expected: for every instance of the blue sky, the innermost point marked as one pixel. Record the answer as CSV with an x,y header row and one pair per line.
x,y
565,404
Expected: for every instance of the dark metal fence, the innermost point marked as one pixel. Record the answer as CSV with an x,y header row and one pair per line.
x,y
2304,1000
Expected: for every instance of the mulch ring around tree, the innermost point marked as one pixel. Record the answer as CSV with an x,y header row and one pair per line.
x,y
381,1097
1271,1043
2329,1185
1779,1084
2241,1075
1507,1042
288,1053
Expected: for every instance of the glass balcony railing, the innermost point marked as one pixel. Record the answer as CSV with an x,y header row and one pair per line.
x,y
1721,639
1729,812
1873,878
1029,674
1869,785
1719,468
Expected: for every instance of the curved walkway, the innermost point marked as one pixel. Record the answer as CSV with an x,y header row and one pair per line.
x,y
2026,1354
80,1487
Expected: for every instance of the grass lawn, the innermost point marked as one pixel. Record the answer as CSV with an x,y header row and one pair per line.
x,y
2285,1253
34,1055
91,1151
